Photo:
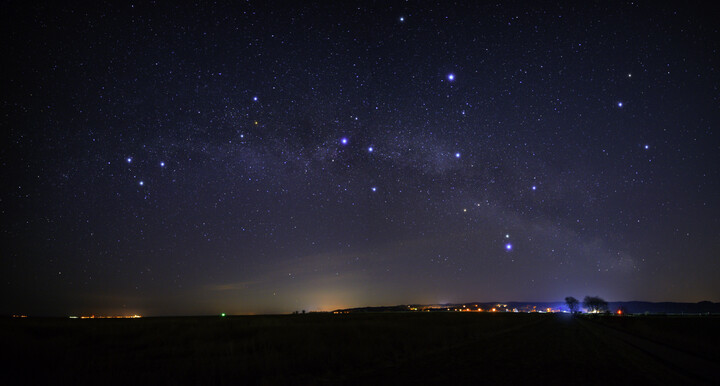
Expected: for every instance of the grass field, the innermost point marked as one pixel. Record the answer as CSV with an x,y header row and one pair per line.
x,y
387,348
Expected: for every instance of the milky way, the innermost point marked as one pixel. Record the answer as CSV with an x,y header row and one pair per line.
x,y
262,157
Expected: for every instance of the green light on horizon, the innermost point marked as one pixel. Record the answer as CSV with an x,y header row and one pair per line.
x,y
223,314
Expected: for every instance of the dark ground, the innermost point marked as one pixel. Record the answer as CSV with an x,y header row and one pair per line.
x,y
389,348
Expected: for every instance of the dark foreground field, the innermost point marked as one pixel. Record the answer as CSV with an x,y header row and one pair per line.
x,y
392,348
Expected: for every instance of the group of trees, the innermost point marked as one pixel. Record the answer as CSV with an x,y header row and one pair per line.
x,y
593,304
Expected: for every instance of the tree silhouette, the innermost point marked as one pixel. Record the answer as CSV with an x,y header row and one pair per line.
x,y
595,304
572,304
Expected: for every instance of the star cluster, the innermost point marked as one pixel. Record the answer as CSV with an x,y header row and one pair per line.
x,y
177,159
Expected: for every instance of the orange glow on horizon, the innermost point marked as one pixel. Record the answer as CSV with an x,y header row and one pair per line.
x,y
108,317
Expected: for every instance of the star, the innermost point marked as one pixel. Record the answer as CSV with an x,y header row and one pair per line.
x,y
646,147
255,98
374,189
344,140
141,183
508,247
370,149
162,164
128,159
402,19
451,77
534,187
620,104
457,155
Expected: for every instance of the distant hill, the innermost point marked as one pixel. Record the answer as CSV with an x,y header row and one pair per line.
x,y
667,307
633,307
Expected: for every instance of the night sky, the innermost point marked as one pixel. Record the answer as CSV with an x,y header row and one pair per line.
x,y
260,157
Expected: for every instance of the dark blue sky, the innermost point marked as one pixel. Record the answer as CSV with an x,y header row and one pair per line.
x,y
270,157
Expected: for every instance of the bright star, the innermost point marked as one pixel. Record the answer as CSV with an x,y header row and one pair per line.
x,y
507,235
451,77
162,164
370,149
402,19
374,189
255,98
128,159
344,140
141,183
620,104
457,155
646,147
508,247
534,187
